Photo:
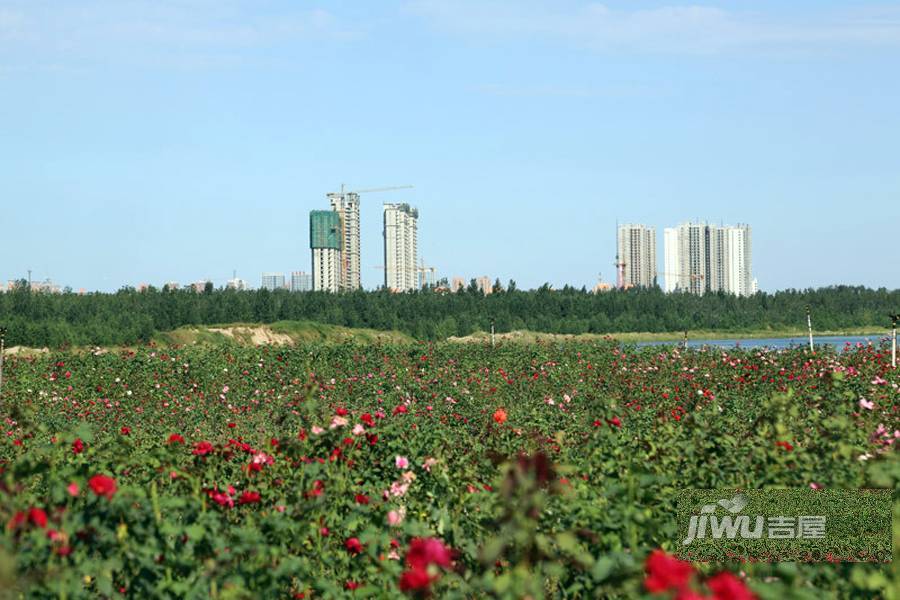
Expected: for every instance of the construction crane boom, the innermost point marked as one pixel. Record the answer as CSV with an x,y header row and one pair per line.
x,y
381,189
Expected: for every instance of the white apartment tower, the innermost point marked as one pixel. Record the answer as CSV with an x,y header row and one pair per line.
x,y
325,244
702,258
739,261
326,267
400,247
671,260
637,251
346,205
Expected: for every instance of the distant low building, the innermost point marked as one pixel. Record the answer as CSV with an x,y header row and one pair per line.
x,y
484,284
236,284
200,286
45,287
457,284
273,281
301,281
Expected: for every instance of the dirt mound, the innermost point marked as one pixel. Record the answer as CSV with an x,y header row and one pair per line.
x,y
13,350
258,336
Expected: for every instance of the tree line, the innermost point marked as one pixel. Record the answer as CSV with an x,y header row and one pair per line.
x,y
130,316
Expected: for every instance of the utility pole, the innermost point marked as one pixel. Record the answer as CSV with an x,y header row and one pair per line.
x,y
684,342
809,327
493,341
894,319
2,348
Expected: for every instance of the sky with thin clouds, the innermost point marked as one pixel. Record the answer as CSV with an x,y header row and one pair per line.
x,y
157,140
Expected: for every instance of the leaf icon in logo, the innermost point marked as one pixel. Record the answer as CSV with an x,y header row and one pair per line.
x,y
735,505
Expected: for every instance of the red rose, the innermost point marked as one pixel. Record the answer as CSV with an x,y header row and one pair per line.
x,y
77,446
353,545
414,580
427,551
726,586
125,430
175,439
500,416
202,448
16,520
362,499
665,572
249,498
38,517
102,485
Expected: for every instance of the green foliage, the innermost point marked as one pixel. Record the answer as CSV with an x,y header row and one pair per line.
x,y
130,317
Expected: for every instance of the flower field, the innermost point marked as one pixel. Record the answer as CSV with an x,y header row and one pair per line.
x,y
458,471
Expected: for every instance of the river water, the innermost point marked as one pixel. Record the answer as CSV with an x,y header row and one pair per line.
x,y
839,342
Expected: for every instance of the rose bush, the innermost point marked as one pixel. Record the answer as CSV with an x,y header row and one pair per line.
x,y
444,470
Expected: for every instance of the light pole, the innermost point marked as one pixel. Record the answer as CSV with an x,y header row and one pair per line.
x,y
2,347
809,327
894,319
492,333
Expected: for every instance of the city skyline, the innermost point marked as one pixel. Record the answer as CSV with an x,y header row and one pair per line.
x,y
148,136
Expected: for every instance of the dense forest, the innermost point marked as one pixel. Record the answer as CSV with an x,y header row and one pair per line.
x,y
129,316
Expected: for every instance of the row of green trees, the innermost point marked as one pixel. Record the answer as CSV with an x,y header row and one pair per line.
x,y
129,316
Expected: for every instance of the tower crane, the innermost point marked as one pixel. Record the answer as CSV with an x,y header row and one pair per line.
x,y
372,190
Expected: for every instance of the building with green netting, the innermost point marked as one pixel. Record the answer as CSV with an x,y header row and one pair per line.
x,y
324,229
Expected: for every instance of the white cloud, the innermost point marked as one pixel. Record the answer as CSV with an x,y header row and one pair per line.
x,y
693,28
190,33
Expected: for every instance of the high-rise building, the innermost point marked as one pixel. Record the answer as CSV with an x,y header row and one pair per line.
x,y
273,281
739,261
301,281
457,284
400,247
236,284
702,258
637,252
325,241
671,261
346,205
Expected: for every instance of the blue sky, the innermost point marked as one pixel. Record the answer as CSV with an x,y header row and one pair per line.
x,y
150,140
